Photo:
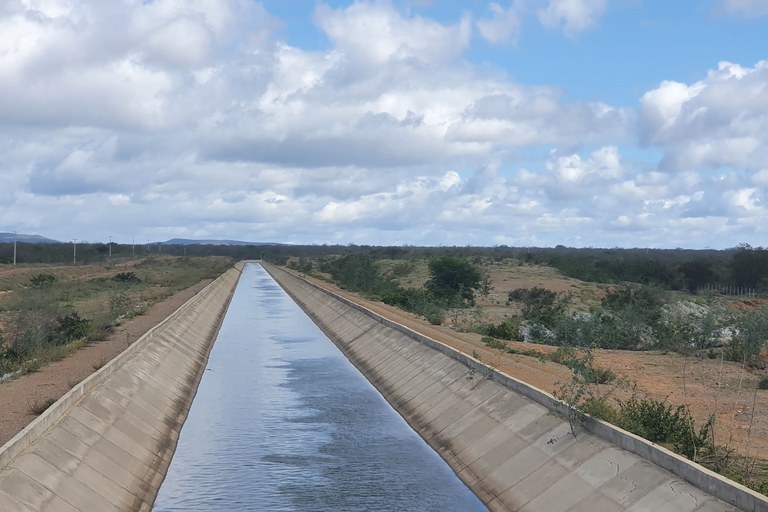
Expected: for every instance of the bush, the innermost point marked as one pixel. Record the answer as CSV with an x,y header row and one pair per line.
x,y
126,277
763,382
435,317
539,305
494,343
40,407
453,280
70,327
506,330
43,280
420,302
651,419
750,338
600,409
563,355
660,422
591,374
600,375
354,272
635,304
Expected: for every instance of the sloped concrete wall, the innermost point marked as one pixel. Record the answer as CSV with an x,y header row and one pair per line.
x,y
106,445
501,436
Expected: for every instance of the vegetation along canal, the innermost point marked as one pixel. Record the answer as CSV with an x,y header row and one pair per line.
x,y
282,421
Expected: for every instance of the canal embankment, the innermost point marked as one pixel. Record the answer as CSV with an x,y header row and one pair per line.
x,y
106,444
508,441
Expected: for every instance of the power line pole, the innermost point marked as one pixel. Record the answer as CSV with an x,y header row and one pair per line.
x,y
74,251
15,233
110,246
133,246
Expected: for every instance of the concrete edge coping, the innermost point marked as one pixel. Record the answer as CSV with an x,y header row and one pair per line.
x,y
32,432
707,480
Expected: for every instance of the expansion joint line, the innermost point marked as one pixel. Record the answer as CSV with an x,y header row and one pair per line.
x,y
361,334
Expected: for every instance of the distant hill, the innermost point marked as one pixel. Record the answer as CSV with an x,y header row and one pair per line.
x,y
187,241
27,239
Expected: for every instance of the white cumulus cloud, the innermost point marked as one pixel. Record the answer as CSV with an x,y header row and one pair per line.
x,y
720,121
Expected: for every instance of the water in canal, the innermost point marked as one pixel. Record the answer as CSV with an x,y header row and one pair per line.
x,y
282,421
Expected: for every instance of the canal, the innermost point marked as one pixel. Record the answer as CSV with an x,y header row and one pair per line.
x,y
282,421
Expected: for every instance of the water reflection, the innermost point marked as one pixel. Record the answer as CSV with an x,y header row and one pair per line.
x,y
282,421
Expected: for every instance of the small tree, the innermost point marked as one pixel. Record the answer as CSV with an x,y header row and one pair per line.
x,y
70,327
453,280
540,305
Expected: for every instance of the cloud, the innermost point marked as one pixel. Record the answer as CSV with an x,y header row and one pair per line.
x,y
745,8
193,119
573,17
375,33
720,121
504,25
120,65
392,91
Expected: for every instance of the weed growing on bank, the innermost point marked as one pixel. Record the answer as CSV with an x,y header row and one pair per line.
x,y
48,316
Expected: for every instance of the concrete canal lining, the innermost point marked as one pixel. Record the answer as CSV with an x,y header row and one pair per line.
x,y
106,444
504,438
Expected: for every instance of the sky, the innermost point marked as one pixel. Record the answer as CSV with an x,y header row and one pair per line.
x,y
585,123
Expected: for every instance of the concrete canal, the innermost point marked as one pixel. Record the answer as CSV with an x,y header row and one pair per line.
x,y
283,421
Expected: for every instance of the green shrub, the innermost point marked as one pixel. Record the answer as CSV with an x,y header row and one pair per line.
x,y
601,375
599,409
420,302
126,277
70,327
563,355
506,330
763,382
750,338
435,317
494,343
43,280
539,305
660,422
453,280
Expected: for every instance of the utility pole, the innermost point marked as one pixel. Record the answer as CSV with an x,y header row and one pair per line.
x,y
110,246
74,251
14,247
133,246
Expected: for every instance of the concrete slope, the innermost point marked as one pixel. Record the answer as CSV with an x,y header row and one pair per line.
x,y
106,445
501,436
